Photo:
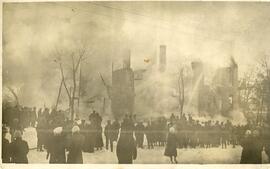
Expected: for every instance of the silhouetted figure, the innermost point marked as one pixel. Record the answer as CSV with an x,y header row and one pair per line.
x,y
56,147
96,120
5,147
247,144
149,135
258,147
171,146
115,130
108,135
139,133
266,136
41,132
75,147
126,150
15,127
89,142
224,136
99,140
19,149
161,131
127,124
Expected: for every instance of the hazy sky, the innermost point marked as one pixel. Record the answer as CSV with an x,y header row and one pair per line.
x,y
211,32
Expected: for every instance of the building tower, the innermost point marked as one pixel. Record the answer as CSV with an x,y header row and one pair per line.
x,y
126,60
123,91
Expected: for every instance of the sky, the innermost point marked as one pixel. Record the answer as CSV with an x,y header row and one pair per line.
x,y
208,31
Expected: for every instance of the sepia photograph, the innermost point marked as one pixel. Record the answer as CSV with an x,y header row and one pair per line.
x,y
136,82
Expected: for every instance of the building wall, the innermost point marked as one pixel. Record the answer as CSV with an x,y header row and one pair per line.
x,y
222,96
226,86
123,93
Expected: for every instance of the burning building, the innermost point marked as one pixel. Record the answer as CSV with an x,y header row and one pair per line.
x,y
123,94
226,86
222,96
197,85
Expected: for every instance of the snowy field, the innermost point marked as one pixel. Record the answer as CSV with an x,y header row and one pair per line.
x,y
145,156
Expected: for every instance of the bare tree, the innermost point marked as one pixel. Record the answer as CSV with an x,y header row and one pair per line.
x,y
108,90
72,93
255,89
59,93
107,86
247,89
264,64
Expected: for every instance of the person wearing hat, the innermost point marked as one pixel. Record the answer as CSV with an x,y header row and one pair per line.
x,y
19,149
75,147
5,146
171,146
56,146
257,147
247,144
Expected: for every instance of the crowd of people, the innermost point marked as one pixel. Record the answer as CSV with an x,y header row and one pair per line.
x,y
14,115
206,134
187,132
57,135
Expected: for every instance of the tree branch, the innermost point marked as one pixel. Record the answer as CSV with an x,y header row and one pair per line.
x,y
80,58
106,85
64,81
14,94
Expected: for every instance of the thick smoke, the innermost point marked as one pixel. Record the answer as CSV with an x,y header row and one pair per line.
x,y
211,32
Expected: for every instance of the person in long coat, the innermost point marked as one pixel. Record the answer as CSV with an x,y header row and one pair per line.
x,y
88,140
5,147
126,149
15,126
75,147
171,146
41,133
19,149
266,136
257,147
108,135
99,140
139,133
56,147
149,135
115,130
92,138
247,144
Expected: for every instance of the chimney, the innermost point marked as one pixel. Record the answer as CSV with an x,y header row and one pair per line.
x,y
126,60
162,58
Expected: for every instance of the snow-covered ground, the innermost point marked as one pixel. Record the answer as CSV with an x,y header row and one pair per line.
x,y
145,156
